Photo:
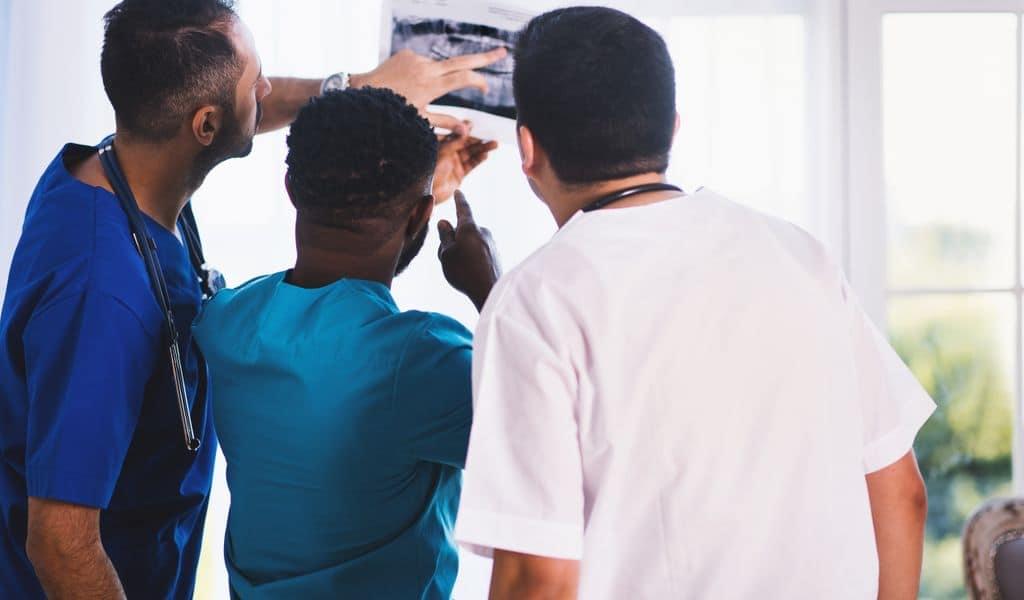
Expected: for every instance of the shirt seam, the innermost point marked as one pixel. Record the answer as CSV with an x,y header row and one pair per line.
x,y
540,521
82,290
415,333
468,533
92,255
897,435
352,289
90,269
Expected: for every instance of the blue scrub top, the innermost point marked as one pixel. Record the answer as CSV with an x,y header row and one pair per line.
x,y
88,413
345,423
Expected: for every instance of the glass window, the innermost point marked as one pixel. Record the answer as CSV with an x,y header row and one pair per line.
x,y
950,135
950,115
742,94
961,348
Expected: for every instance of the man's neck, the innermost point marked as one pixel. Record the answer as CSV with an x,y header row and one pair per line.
x,y
327,255
569,200
159,175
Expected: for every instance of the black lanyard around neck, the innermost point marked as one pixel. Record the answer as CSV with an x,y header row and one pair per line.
x,y
146,246
628,193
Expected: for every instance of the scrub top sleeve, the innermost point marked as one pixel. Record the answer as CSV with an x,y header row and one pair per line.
x,y
87,360
894,406
433,392
523,487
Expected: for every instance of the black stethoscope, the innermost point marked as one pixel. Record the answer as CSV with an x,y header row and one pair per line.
x,y
209,279
628,193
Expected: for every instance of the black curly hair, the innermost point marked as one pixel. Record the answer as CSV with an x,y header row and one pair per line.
x,y
163,59
359,155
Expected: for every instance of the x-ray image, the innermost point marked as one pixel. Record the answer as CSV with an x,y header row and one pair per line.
x,y
443,29
442,39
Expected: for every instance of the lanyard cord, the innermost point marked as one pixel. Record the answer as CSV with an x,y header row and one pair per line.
x,y
628,193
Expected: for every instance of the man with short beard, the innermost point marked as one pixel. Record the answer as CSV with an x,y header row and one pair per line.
x,y
345,420
99,497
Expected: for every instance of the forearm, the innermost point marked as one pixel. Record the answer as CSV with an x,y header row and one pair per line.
x,y
900,539
524,577
528,589
75,573
288,97
66,549
899,508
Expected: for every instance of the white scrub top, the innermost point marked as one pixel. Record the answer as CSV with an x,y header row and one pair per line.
x,y
686,396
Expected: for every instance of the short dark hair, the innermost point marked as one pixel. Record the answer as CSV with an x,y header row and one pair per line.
x,y
359,155
163,59
596,87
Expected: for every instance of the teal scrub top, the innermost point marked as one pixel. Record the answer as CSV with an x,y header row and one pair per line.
x,y
345,423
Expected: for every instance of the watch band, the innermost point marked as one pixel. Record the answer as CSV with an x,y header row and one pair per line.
x,y
335,83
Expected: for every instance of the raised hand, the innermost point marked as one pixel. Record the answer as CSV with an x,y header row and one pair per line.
x,y
468,255
456,158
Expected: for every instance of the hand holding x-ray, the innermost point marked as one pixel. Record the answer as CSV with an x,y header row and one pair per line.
x,y
456,32
457,156
423,79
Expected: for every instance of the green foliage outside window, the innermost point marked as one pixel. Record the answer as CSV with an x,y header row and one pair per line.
x,y
965,449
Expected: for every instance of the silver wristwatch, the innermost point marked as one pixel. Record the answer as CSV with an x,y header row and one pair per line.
x,y
335,83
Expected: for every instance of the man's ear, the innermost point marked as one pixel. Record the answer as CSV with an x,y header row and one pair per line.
x,y
527,150
675,130
207,123
288,188
420,216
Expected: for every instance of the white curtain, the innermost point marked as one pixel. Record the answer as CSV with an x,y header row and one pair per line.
x,y
761,89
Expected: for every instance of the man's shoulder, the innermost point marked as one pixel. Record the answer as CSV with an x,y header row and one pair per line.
x,y
764,239
237,302
434,346
68,218
435,361
431,331
246,292
75,243
550,273
793,245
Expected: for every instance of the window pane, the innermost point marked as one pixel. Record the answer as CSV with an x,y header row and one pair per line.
x,y
741,89
961,348
949,100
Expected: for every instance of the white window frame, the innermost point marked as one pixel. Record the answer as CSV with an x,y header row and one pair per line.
x,y
864,200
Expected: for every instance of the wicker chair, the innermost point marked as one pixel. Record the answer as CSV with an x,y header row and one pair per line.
x,y
994,551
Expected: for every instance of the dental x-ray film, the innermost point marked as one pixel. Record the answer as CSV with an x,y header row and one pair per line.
x,y
443,29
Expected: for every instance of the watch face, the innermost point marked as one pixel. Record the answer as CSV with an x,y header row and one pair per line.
x,y
334,82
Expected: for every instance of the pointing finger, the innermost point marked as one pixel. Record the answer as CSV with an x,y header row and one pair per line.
x,y
469,62
462,209
474,161
476,148
461,80
447,234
